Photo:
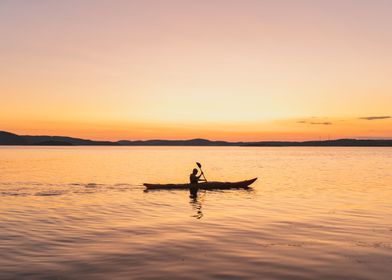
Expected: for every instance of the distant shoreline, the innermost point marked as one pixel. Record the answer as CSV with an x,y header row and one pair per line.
x,y
11,139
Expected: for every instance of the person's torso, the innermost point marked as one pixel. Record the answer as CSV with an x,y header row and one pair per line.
x,y
193,179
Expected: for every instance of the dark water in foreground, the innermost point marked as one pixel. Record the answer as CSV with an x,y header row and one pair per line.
x,y
81,213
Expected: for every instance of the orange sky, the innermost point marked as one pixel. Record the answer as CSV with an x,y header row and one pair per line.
x,y
234,70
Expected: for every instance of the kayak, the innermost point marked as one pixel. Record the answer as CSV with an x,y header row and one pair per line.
x,y
204,186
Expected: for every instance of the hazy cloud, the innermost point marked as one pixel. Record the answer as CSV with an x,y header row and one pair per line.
x,y
375,118
321,123
315,123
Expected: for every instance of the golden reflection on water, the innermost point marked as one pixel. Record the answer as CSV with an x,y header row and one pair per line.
x,y
81,212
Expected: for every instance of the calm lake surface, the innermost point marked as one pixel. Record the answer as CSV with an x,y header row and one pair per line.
x,y
81,213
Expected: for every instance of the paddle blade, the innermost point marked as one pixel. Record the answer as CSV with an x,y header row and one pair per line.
x,y
198,164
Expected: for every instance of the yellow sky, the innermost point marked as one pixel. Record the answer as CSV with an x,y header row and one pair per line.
x,y
235,70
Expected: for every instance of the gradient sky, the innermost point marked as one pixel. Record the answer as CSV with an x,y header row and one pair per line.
x,y
217,69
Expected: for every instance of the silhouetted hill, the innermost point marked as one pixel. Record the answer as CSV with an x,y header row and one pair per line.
x,y
53,143
326,143
7,138
192,142
34,140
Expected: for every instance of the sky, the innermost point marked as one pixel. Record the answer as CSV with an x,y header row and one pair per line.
x,y
179,69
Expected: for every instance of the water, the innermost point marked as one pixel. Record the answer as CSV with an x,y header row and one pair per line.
x,y
81,213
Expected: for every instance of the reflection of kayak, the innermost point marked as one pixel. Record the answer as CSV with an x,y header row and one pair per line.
x,y
205,185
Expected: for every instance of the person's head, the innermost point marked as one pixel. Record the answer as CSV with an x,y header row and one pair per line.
x,y
194,171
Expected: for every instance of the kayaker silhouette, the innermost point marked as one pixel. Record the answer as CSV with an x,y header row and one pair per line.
x,y
194,179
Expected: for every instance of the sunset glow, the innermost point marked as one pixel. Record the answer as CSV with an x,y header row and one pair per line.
x,y
230,70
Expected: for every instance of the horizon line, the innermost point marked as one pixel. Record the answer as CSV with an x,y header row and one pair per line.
x,y
205,139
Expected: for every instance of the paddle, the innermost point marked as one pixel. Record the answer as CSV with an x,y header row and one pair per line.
x,y
199,165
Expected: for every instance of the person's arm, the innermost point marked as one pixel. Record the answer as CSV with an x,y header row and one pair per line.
x,y
204,180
